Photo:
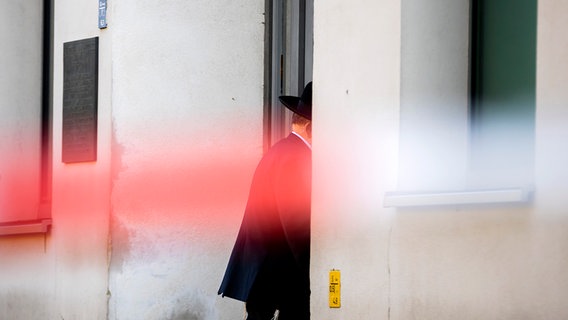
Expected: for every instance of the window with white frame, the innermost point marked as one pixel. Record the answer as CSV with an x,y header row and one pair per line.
x,y
467,101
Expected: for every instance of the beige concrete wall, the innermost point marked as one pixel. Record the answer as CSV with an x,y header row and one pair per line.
x,y
145,231
356,112
62,274
81,191
187,135
466,262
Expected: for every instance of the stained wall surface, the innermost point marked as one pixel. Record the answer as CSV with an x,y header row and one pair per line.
x,y
187,134
490,261
145,231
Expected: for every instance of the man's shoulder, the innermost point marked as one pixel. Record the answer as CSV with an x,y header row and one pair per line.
x,y
292,141
289,150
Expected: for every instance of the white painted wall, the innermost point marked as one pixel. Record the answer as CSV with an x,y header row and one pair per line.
x,y
145,232
187,134
61,275
550,227
80,200
455,262
356,123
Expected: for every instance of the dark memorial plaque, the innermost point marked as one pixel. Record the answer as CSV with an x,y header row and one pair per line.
x,y
80,90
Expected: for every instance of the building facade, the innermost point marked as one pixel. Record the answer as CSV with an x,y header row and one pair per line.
x,y
431,202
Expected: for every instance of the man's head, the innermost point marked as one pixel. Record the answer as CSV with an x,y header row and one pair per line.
x,y
302,126
302,108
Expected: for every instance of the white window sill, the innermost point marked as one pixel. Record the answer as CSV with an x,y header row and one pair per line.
x,y
25,227
400,199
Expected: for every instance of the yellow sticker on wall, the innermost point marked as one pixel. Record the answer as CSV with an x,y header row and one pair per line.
x,y
334,289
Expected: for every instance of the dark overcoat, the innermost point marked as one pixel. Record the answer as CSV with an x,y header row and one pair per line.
x,y
272,250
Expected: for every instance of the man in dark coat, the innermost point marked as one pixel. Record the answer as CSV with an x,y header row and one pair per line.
x,y
269,265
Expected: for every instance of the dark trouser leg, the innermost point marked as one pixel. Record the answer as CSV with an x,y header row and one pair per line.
x,y
295,305
261,303
300,310
259,312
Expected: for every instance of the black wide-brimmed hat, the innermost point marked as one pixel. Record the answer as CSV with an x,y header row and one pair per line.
x,y
300,105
